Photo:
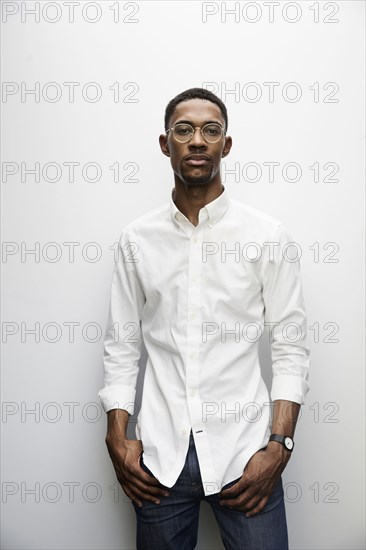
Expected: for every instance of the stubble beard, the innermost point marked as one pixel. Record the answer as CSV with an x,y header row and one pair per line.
x,y
198,179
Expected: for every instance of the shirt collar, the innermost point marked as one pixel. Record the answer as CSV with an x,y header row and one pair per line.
x,y
213,210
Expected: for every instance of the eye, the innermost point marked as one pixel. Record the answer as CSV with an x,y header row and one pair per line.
x,y
182,129
212,130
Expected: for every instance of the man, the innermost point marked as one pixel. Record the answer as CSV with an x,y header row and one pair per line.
x,y
204,274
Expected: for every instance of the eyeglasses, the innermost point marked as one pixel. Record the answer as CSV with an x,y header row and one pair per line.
x,y
184,132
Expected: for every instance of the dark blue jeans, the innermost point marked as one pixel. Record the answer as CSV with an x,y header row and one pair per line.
x,y
173,524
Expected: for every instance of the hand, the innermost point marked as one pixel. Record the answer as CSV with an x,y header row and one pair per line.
x,y
136,483
251,493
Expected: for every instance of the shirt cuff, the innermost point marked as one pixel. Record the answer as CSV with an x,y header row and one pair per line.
x,y
118,397
289,388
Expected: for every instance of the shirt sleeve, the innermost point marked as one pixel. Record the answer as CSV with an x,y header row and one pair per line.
x,y
286,317
123,338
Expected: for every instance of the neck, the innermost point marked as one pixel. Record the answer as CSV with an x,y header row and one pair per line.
x,y
189,199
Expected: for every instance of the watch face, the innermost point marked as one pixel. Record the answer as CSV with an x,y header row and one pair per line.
x,y
289,443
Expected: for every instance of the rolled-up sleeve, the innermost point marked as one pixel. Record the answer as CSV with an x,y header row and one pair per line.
x,y
123,338
286,317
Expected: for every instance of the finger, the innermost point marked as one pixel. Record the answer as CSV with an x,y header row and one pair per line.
x,y
143,479
260,506
242,499
232,491
131,496
144,494
144,476
230,502
249,505
239,502
243,506
155,489
249,498
147,484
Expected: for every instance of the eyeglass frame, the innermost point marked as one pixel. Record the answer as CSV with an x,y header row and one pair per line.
x,y
223,131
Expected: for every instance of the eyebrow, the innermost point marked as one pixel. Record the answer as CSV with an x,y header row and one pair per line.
x,y
191,123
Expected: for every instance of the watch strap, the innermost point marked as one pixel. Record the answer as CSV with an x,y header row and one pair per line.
x,y
281,439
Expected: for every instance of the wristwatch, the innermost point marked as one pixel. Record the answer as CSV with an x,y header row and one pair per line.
x,y
285,440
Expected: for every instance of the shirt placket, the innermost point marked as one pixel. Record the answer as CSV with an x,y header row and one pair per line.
x,y
194,340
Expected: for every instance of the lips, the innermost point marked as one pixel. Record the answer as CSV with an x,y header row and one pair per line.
x,y
197,160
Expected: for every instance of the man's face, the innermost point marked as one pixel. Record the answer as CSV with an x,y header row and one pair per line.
x,y
195,162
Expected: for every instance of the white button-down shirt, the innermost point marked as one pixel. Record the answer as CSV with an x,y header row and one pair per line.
x,y
204,294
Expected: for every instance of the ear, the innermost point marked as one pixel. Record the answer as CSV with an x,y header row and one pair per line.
x,y
227,146
163,141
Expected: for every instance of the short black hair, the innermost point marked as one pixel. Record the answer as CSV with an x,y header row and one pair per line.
x,y
194,93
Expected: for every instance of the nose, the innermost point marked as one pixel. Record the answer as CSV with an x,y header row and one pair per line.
x,y
197,139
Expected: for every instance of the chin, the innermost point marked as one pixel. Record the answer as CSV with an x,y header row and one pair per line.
x,y
200,179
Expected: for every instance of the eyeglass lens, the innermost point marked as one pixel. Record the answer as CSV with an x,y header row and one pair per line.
x,y
184,132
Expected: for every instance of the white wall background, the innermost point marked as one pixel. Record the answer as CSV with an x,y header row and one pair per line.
x,y
58,485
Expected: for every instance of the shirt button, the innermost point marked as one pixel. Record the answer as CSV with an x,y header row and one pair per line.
x,y
184,432
195,239
193,393
192,355
193,315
